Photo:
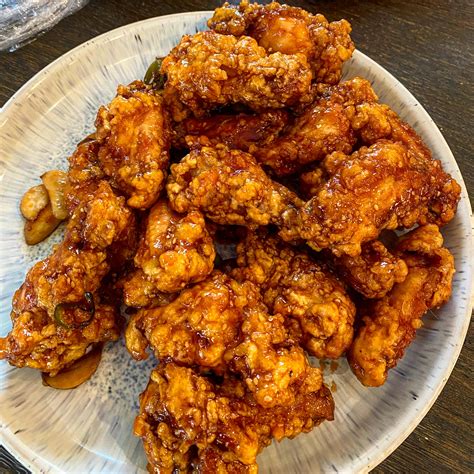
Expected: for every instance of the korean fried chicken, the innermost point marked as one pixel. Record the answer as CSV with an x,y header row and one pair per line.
x,y
240,132
300,289
290,30
372,273
57,312
324,127
84,173
374,121
375,188
134,137
130,146
188,423
174,250
222,325
208,70
229,187
258,106
390,324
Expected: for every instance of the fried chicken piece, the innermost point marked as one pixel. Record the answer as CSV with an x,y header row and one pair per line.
x,y
130,146
188,423
375,121
229,187
290,30
57,312
197,327
174,251
221,324
390,324
239,132
271,364
208,70
372,273
84,173
323,128
375,188
134,136
301,290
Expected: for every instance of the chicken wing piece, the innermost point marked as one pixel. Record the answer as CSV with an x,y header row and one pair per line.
x,y
220,324
240,132
174,251
84,173
300,289
372,273
290,30
208,70
375,188
390,324
57,312
324,127
134,136
188,421
375,121
229,187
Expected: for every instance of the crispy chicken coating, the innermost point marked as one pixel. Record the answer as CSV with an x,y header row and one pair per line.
x,y
217,461
174,251
375,121
221,324
208,70
300,289
46,337
290,30
188,421
134,136
375,188
229,187
371,122
372,273
323,128
240,132
84,173
390,324
310,182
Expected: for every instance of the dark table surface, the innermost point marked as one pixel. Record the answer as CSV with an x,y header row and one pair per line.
x,y
429,46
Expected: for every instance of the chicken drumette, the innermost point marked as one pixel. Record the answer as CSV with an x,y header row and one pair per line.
x,y
374,121
290,30
174,250
130,148
390,324
208,70
187,421
320,315
381,187
134,139
57,312
229,187
223,325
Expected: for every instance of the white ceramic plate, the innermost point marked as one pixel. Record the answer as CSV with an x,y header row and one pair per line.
x,y
90,429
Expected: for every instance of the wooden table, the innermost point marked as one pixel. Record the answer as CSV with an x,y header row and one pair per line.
x,y
428,46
